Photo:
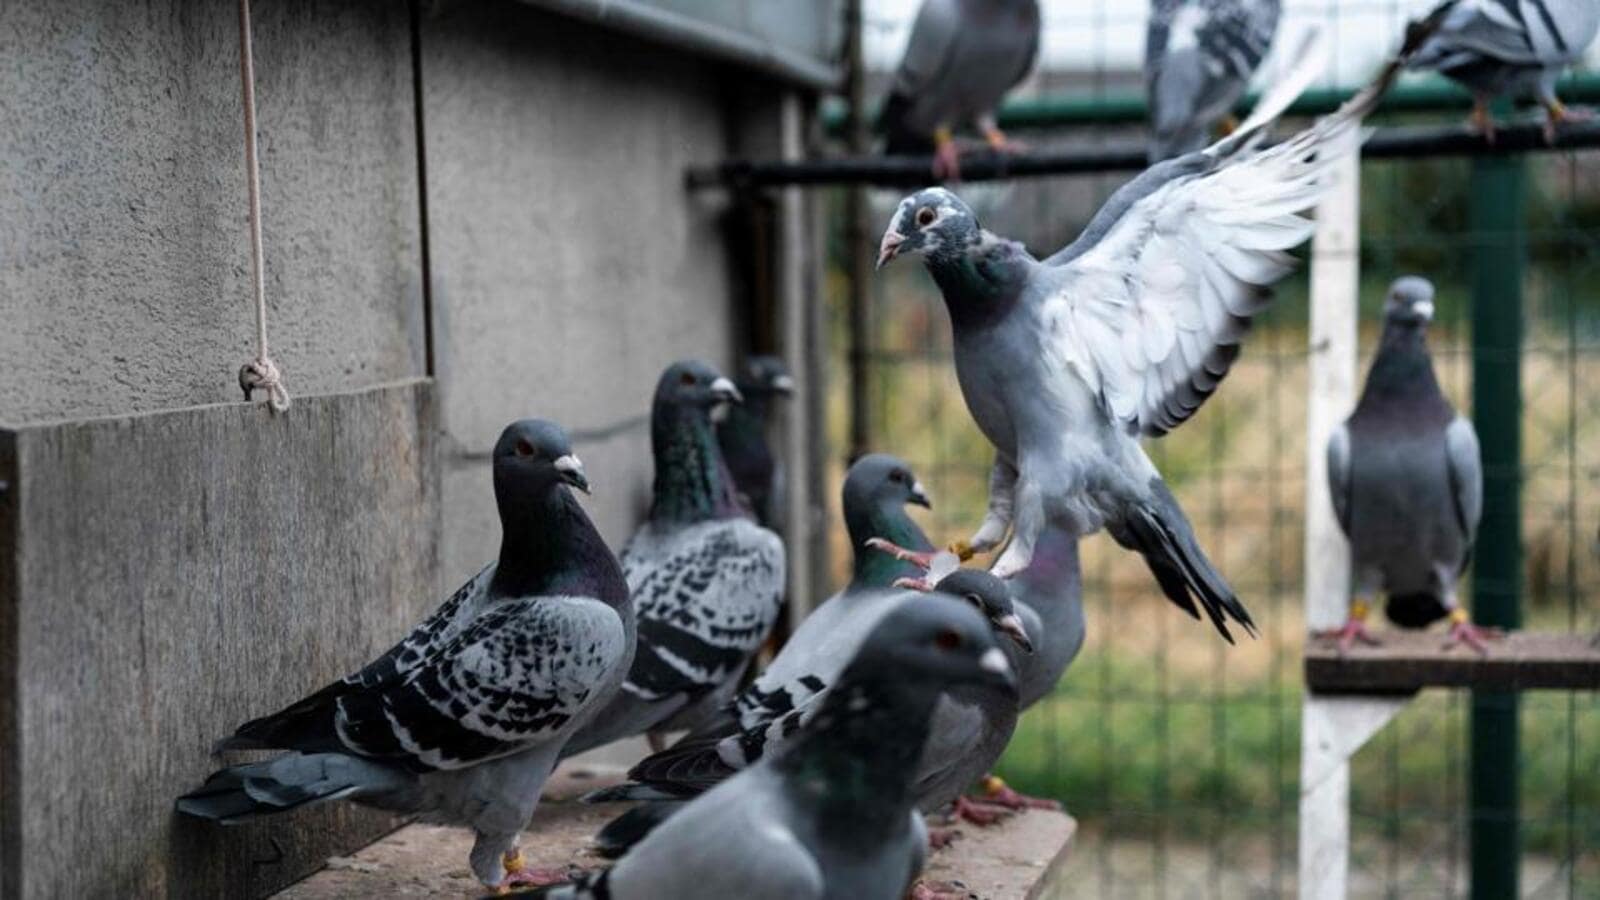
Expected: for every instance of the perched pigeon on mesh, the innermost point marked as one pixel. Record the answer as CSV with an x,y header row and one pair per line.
x,y
1406,481
962,58
707,581
1198,59
742,434
1065,363
1510,48
464,719
834,815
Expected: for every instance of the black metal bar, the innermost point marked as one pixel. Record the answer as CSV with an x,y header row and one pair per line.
x,y
1407,142
860,247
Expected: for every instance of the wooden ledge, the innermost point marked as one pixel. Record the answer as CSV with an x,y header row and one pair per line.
x,y
1409,661
1020,857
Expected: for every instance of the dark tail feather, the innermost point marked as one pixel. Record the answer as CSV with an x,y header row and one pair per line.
x,y
620,834
240,793
1159,531
1414,610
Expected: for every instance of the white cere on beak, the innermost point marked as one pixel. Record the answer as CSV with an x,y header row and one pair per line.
x,y
1424,309
994,661
783,384
723,390
571,465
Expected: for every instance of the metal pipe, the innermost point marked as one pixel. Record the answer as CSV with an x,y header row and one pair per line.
x,y
859,273
699,36
1430,95
915,171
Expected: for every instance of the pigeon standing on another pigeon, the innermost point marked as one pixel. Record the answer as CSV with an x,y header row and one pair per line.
x,y
1067,362
742,434
1501,48
464,719
1407,483
707,581
832,817
962,58
1198,59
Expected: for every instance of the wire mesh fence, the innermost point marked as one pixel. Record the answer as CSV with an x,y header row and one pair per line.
x,y
1178,753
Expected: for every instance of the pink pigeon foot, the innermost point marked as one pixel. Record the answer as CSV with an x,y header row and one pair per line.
x,y
922,559
997,792
1462,631
983,815
939,890
946,158
1354,629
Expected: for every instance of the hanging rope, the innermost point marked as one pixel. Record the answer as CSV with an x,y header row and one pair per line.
x,y
260,372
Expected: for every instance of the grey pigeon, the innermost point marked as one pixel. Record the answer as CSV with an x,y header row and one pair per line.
x,y
1198,59
962,58
707,581
833,816
742,434
464,719
1510,48
1067,362
1406,481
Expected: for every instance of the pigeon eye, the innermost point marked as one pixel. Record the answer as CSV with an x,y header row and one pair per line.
x,y
897,476
947,640
686,379
975,600
523,448
925,217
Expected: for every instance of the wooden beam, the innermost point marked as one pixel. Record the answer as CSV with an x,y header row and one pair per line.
x,y
1409,661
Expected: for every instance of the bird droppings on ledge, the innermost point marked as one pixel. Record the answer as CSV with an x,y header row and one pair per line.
x,y
1018,858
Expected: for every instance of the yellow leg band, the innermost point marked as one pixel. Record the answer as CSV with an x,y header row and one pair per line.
x,y
961,549
513,862
943,135
1458,616
993,784
1359,609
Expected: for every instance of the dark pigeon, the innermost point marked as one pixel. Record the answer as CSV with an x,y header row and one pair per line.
x,y
743,436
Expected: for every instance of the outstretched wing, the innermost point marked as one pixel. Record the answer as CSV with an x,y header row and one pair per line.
x,y
703,608
1148,307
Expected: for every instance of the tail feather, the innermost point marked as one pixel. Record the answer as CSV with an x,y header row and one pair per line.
x,y
1159,531
241,793
1415,610
620,834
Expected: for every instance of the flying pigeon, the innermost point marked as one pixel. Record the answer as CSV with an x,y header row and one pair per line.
x,y
1065,363
707,582
962,58
465,717
970,728
1198,59
1407,483
834,815
742,434
1510,48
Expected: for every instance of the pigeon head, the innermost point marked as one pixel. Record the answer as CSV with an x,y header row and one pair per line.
x,y
1410,301
536,454
940,641
989,596
878,481
877,490
765,375
932,223
694,383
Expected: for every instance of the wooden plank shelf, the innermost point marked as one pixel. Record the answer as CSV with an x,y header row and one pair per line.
x,y
1409,661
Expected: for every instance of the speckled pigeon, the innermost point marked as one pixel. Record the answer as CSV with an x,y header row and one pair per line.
x,y
962,58
1065,363
834,815
707,581
1198,59
1511,48
742,434
1406,482
464,719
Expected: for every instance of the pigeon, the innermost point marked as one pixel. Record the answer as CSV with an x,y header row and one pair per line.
x,y
1198,59
707,582
1064,363
1407,483
833,815
742,434
962,58
463,719
970,727
1510,48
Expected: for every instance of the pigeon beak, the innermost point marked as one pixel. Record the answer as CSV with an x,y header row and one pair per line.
x,y
571,469
1424,309
1011,625
783,384
890,248
920,496
723,391
995,668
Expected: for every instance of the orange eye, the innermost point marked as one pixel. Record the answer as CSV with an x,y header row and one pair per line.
x,y
524,448
947,640
925,217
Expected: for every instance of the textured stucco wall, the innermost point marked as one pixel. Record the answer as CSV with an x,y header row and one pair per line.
x,y
569,263
124,267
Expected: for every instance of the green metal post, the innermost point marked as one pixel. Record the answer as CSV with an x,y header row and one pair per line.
x,y
1499,249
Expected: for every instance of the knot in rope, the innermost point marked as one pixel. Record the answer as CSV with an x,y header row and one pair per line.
x,y
262,373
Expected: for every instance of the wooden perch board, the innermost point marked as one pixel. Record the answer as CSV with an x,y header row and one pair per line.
x,y
1409,661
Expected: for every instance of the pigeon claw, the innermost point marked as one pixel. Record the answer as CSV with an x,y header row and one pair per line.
x,y
883,545
996,791
982,815
1481,120
946,156
940,838
520,874
1558,114
1354,629
939,890
1462,631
